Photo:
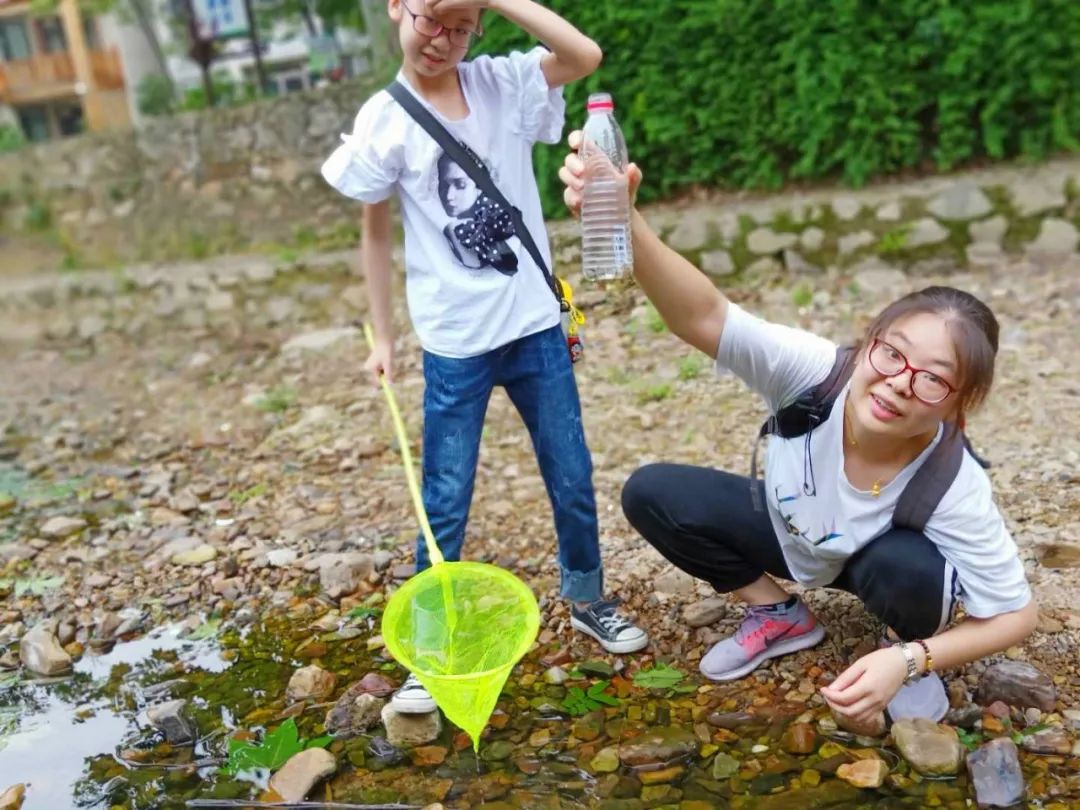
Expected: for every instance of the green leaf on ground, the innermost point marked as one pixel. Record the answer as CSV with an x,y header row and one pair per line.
x,y
660,676
208,629
36,586
579,701
274,751
363,612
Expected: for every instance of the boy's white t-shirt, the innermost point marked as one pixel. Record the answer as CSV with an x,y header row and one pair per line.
x,y
470,286
818,533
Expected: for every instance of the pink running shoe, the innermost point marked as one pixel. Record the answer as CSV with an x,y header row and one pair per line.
x,y
767,631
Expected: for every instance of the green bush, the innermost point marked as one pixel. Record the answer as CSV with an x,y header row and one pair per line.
x,y
756,93
11,138
154,95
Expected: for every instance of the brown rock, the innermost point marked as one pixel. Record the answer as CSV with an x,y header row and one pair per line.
x,y
311,682
866,773
1017,684
427,755
301,773
799,738
931,748
12,798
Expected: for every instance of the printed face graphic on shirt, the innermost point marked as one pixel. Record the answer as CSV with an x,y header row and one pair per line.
x,y
479,229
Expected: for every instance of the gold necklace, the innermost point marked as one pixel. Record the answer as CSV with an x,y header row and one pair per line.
x,y
875,488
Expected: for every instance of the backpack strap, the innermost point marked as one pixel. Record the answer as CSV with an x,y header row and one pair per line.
x,y
473,166
931,481
810,409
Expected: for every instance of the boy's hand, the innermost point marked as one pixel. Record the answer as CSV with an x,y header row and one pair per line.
x,y
381,363
436,7
865,688
572,176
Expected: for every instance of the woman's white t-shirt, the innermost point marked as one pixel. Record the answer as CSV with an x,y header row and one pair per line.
x,y
463,302
819,532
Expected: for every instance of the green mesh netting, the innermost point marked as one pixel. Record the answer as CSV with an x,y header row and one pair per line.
x,y
460,628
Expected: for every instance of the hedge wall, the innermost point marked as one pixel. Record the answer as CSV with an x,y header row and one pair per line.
x,y
754,93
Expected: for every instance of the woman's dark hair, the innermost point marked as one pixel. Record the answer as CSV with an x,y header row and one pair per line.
x,y
974,331
444,163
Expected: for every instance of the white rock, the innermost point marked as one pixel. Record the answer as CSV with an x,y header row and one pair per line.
x,y
717,263
812,239
960,202
989,230
889,212
411,729
322,339
846,208
763,241
281,557
851,242
202,553
40,651
925,231
59,527
1057,237
1031,198
301,773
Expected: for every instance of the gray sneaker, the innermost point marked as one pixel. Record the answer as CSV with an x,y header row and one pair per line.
x,y
767,631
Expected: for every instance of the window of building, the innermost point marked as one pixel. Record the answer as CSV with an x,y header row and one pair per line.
x,y
52,36
14,42
34,122
69,118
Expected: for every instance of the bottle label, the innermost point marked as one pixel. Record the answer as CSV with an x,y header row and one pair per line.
x,y
619,247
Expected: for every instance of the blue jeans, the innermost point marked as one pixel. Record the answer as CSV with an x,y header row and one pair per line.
x,y
536,372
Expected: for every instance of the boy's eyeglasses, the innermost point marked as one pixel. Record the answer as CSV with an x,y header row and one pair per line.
x,y
927,386
430,27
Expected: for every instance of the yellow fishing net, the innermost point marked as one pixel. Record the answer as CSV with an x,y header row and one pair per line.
x,y
459,627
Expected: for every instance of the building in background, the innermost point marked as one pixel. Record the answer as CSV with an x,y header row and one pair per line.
x,y
60,73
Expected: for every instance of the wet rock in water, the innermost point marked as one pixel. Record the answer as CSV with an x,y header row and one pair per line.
x,y
375,684
664,775
555,676
12,798
301,773
425,756
40,651
355,712
995,773
729,720
597,669
1054,740
496,751
605,761
384,752
866,773
964,717
57,528
871,728
411,729
932,749
659,747
7,502
169,719
724,766
706,612
310,682
1017,684
799,738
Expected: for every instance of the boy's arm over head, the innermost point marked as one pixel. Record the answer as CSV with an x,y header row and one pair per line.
x,y
573,55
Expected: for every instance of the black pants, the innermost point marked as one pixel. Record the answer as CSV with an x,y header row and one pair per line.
x,y
704,522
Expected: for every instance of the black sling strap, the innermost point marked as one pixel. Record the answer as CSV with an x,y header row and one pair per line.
x,y
475,168
926,488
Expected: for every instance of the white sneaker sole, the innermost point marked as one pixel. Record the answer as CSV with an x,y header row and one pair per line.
x,y
617,647
803,642
413,705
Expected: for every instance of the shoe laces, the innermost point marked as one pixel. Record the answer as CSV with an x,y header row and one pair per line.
x,y
759,620
609,618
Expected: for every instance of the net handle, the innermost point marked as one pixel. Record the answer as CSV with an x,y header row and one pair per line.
x,y
406,459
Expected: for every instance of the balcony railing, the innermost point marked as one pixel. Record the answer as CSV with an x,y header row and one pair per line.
x,y
49,75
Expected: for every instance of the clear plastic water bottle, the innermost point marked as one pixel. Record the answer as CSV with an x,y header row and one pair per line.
x,y
606,248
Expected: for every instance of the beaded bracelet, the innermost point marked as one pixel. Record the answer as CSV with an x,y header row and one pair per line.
x,y
929,657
